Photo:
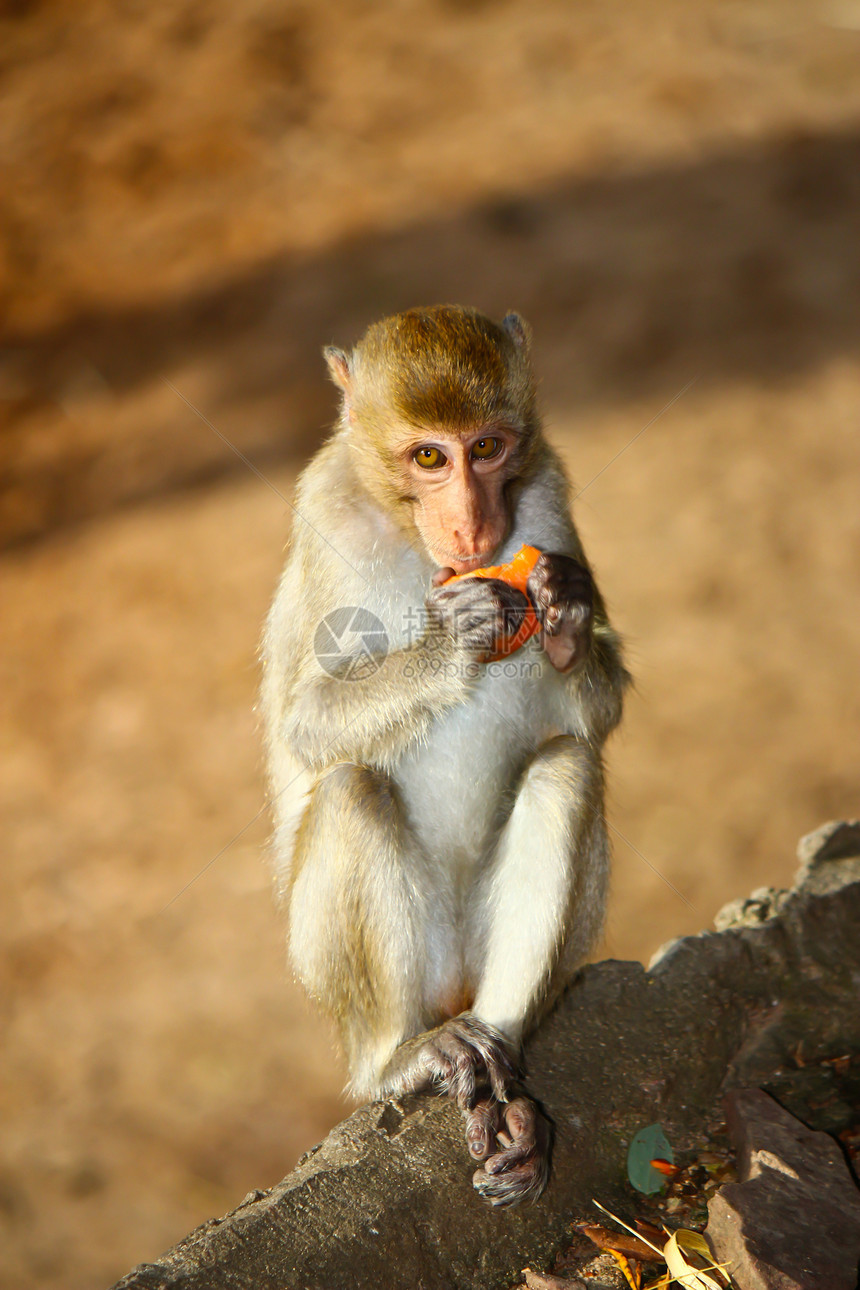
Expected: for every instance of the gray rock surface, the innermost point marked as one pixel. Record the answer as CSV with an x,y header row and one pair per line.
x,y
792,1221
838,840
386,1200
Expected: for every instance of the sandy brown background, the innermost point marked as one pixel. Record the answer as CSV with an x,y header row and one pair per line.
x,y
195,198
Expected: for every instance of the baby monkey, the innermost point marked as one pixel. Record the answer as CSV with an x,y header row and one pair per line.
x,y
439,836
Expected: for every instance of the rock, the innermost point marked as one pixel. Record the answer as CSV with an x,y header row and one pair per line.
x,y
838,840
792,1222
764,903
386,1199
546,1281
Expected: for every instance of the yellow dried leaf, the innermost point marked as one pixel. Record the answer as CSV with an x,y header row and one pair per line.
x,y
690,1262
631,1272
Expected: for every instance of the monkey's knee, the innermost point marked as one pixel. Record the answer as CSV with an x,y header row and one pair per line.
x,y
566,770
565,752
348,807
347,787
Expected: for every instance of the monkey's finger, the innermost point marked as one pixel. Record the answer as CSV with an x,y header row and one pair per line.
x,y
501,1072
458,1062
439,1069
522,1181
519,1148
510,1158
464,1082
491,1049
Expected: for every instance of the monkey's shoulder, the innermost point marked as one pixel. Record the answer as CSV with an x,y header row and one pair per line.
x,y
342,532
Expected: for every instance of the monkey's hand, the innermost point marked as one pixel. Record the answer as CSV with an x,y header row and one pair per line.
x,y
454,1058
479,613
562,592
514,1141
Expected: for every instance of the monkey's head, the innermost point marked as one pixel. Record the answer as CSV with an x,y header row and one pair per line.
x,y
440,405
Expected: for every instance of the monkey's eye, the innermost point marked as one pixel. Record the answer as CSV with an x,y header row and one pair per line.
x,y
485,448
430,458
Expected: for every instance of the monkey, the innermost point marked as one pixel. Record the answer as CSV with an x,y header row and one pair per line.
x,y
439,840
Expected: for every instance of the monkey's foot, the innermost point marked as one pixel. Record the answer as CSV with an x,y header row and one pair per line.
x,y
463,1051
520,1171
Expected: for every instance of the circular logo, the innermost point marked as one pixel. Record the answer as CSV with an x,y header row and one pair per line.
x,y
350,643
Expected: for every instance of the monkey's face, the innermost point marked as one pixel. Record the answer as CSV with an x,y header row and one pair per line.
x,y
456,487
440,407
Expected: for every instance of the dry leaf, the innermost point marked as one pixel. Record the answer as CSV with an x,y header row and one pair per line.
x,y
627,1227
631,1271
651,1235
632,1246
689,1259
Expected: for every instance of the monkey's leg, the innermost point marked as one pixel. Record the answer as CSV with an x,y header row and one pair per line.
x,y
371,937
545,899
359,909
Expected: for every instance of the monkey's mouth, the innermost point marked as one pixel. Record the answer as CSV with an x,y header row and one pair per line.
x,y
462,563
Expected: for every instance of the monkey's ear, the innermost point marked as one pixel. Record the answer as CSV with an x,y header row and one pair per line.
x,y
519,331
338,366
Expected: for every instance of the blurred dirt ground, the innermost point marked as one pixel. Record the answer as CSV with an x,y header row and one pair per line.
x,y
203,196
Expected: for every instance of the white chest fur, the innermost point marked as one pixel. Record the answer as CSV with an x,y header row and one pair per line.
x,y
457,785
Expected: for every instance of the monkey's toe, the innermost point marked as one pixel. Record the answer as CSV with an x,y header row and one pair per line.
x,y
521,1170
526,1182
483,1121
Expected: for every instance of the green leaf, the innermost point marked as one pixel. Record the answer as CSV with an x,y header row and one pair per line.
x,y
647,1145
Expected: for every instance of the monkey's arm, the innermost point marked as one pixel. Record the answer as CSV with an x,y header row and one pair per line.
x,y
373,720
375,705
592,694
580,641
598,688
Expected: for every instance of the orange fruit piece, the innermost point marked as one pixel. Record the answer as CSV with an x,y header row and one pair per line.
x,y
515,573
